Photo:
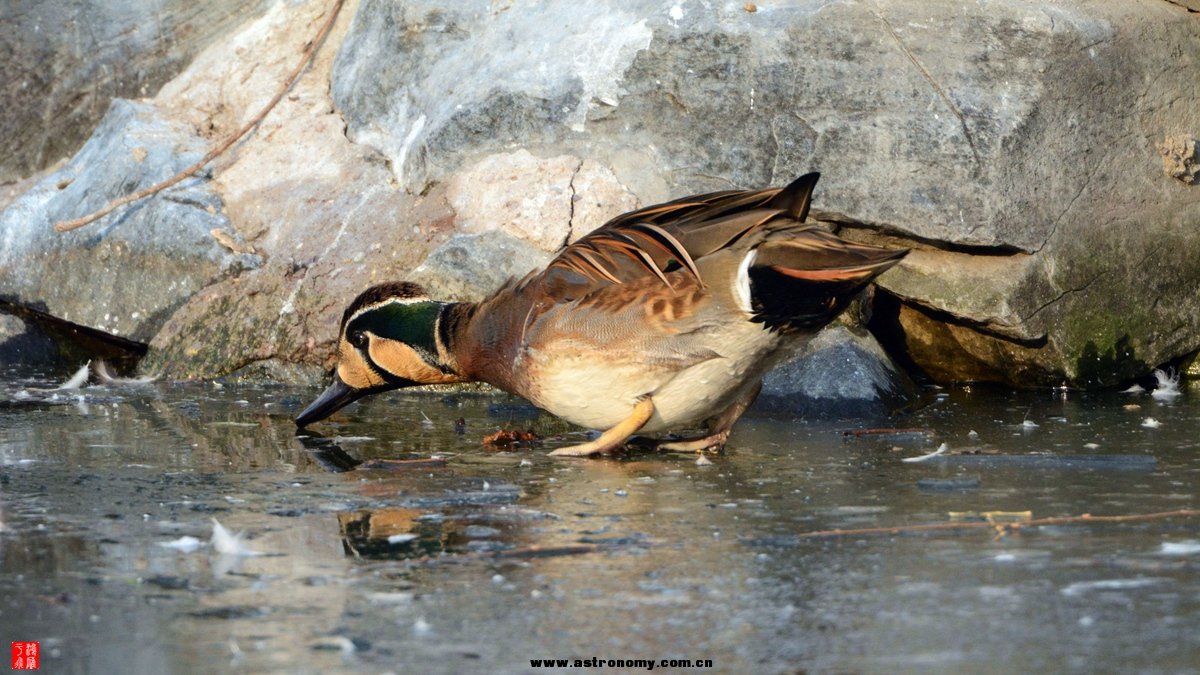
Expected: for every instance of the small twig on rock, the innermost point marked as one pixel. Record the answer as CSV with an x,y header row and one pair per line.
x,y
521,553
539,551
1086,518
309,50
394,464
888,431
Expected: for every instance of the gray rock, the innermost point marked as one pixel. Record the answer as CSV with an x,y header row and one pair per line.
x,y
726,96
125,274
470,266
63,61
424,81
839,373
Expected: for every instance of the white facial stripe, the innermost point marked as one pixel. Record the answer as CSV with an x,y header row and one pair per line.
x,y
389,301
443,355
741,285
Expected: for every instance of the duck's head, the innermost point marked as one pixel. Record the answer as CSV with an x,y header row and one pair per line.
x,y
389,338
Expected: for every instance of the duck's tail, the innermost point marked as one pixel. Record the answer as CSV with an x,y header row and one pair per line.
x,y
803,277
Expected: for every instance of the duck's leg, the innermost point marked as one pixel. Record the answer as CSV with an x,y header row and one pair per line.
x,y
615,437
718,428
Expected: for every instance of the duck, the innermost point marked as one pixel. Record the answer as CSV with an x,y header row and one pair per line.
x,y
663,319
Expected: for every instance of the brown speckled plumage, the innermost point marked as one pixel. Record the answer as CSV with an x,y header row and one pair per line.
x,y
663,318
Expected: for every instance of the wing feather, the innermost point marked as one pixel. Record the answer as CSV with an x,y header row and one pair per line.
x,y
702,239
657,240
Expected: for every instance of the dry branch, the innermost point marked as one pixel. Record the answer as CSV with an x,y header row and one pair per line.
x,y
889,431
310,50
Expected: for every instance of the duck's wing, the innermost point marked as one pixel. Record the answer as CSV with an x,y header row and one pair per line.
x,y
656,241
748,250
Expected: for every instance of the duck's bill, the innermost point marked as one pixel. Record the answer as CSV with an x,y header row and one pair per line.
x,y
337,396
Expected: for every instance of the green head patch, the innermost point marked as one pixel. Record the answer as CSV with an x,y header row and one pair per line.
x,y
408,321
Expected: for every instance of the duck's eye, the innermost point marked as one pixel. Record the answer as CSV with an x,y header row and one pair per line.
x,y
358,339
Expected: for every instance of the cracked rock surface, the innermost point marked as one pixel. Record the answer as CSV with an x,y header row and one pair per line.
x,y
1038,155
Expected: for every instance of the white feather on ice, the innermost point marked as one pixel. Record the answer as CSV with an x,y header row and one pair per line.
x,y
79,378
1168,385
921,458
228,543
105,375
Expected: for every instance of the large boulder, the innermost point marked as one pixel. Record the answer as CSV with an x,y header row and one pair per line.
x,y
1040,156
63,61
127,273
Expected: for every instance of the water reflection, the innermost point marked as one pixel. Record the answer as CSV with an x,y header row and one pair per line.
x,y
395,540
